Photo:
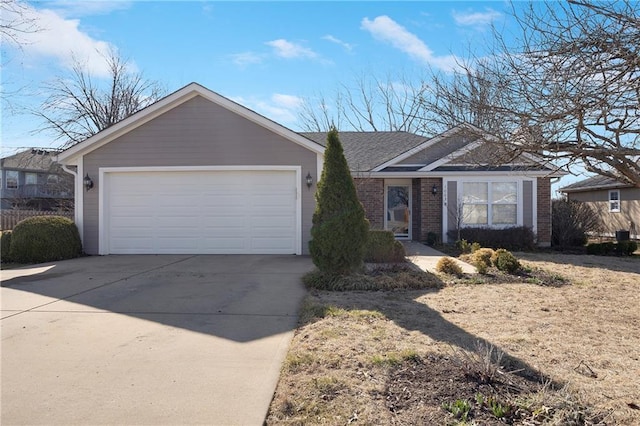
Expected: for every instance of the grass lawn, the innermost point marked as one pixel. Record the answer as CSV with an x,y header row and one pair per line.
x,y
474,350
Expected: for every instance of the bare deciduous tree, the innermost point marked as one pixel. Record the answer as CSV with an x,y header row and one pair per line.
x,y
81,105
569,88
15,21
370,104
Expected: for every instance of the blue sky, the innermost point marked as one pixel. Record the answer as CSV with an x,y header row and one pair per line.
x,y
268,56
265,55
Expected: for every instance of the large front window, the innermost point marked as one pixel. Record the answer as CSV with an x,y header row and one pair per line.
x,y
489,203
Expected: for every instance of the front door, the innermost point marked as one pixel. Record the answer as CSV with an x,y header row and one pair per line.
x,y
398,208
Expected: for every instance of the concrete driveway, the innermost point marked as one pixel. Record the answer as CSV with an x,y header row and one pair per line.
x,y
173,339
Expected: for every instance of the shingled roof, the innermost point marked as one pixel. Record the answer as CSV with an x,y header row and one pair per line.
x,y
366,150
594,183
35,159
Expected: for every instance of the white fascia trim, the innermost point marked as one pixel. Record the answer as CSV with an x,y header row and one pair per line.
x,y
319,166
78,195
177,98
418,148
103,247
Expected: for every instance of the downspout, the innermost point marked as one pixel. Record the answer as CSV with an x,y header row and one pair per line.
x,y
77,194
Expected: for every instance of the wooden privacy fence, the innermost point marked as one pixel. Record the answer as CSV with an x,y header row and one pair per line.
x,y
10,218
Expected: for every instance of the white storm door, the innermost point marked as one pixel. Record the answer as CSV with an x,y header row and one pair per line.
x,y
397,206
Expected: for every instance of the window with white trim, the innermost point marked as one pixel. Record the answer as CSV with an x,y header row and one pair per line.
x,y
11,178
489,203
614,200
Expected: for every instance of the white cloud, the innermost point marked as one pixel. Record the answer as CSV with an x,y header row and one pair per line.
x,y
281,108
475,19
287,101
289,50
247,58
63,40
386,29
347,46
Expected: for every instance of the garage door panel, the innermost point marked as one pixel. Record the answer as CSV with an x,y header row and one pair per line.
x,y
212,212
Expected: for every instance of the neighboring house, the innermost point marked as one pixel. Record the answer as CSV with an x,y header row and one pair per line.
x,y
617,204
31,180
198,173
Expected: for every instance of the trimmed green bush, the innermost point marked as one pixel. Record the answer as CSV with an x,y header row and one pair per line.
x,y
5,243
464,246
447,265
626,248
505,261
622,248
340,229
432,238
481,259
382,247
44,239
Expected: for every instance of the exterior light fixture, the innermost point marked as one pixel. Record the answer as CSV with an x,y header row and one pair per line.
x,y
434,190
88,183
309,180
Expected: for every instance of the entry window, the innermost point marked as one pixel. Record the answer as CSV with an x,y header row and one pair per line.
x,y
614,200
12,179
489,203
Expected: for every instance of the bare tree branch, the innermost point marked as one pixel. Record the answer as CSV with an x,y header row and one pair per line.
x,y
79,106
570,86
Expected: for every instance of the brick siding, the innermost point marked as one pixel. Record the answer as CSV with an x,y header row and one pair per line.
x,y
371,195
430,208
544,212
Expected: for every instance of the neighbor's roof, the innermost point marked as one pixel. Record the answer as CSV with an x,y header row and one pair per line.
x,y
35,159
366,150
594,183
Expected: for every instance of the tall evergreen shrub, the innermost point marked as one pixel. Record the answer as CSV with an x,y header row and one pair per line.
x,y
340,229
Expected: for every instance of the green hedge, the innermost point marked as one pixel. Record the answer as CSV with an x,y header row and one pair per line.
x,y
622,248
515,238
5,244
44,239
382,247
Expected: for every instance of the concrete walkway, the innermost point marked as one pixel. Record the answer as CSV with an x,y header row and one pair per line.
x,y
426,258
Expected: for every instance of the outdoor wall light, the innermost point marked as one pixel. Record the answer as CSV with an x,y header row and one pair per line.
x,y
309,180
88,183
434,190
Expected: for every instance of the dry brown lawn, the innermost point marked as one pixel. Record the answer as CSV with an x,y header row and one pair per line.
x,y
396,357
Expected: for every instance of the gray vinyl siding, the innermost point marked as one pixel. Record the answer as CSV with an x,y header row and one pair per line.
x,y
527,203
198,133
452,205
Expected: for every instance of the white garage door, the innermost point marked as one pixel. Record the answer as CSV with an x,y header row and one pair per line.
x,y
208,212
